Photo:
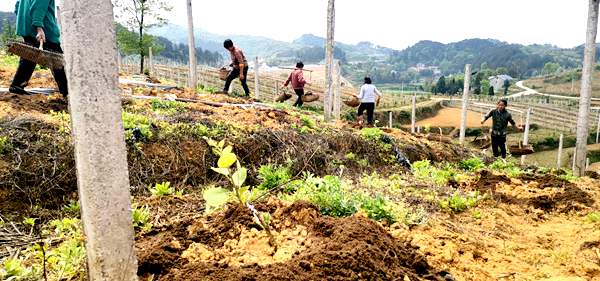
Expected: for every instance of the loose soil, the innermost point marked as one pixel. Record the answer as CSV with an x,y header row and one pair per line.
x,y
309,247
450,117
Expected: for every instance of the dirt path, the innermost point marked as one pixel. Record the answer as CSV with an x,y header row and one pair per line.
x,y
450,117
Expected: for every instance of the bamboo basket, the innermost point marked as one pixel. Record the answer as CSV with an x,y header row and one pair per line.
x,y
521,149
310,97
223,73
354,102
283,97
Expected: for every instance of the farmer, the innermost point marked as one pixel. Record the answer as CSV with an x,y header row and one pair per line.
x,y
298,82
500,119
36,23
239,64
368,96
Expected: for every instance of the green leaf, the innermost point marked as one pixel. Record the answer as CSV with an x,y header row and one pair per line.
x,y
222,171
215,197
228,149
226,160
221,143
239,177
244,194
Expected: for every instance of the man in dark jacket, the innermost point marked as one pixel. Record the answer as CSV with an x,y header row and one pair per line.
x,y
500,118
240,67
36,23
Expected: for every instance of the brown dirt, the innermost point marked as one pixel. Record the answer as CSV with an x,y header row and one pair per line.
x,y
352,248
450,117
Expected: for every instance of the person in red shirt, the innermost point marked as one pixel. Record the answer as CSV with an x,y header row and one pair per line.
x,y
240,67
298,82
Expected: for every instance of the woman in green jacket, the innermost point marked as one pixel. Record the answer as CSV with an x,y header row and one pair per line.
x,y
36,23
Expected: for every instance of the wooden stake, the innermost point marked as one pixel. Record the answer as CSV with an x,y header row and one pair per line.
x,y
465,102
98,137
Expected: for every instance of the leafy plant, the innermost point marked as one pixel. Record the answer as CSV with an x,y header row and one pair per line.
x,y
458,203
273,176
593,217
72,208
5,146
13,269
215,197
167,107
377,208
238,177
141,218
308,122
162,189
510,168
372,134
137,127
326,193
423,170
476,215
472,164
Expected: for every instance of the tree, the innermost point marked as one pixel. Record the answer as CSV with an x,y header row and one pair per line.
x,y
440,87
506,85
139,15
129,43
586,89
550,68
477,84
491,91
8,33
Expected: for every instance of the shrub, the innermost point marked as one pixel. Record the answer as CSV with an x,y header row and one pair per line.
x,y
273,176
458,203
472,164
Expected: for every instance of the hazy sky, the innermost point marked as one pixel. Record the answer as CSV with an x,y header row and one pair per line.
x,y
392,23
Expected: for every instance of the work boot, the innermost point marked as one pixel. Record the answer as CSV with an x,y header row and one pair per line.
x,y
18,90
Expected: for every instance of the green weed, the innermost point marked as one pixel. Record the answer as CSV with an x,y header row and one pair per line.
x,y
141,218
507,167
327,194
72,208
593,217
459,203
423,170
64,121
137,127
273,176
162,189
371,134
5,146
167,107
472,164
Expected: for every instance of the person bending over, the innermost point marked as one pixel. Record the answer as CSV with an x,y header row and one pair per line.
x,y
240,67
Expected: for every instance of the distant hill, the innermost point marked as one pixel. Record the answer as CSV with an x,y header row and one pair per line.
x,y
394,66
6,16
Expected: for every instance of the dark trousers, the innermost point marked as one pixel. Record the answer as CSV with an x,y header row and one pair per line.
x,y
370,108
26,68
499,146
235,73
299,93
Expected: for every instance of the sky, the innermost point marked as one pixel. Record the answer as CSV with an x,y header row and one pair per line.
x,y
392,23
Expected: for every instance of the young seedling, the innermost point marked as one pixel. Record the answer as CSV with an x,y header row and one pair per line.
x,y
161,189
264,220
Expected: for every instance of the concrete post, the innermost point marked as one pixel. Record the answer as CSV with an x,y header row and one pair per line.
x,y
586,88
587,163
391,120
100,154
465,102
193,75
598,128
560,151
256,79
526,134
150,61
413,117
329,45
337,100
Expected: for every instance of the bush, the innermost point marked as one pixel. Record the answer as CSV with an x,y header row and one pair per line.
x,y
458,203
472,164
273,176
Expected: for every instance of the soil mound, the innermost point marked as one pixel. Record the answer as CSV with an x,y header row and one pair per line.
x,y
310,247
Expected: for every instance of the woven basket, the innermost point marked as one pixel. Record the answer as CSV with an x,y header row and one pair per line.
x,y
519,149
283,97
223,73
310,97
354,102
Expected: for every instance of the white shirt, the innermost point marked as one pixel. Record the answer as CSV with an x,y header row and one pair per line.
x,y
368,93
